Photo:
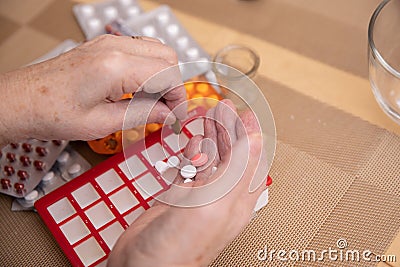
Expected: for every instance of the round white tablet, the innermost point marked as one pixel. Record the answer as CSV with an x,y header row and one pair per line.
x,y
125,2
32,196
173,162
192,53
187,181
132,11
163,18
188,171
87,10
161,166
111,12
149,31
182,42
94,23
173,29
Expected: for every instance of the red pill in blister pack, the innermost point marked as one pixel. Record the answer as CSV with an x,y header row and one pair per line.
x,y
24,164
25,161
10,157
27,147
23,175
5,183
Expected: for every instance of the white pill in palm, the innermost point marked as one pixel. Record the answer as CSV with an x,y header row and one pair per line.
x,y
187,181
213,170
188,171
173,162
161,166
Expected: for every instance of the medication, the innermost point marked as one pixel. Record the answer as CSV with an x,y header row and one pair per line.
x,y
69,161
92,18
199,159
111,196
161,23
188,171
32,196
187,181
70,165
213,170
262,200
161,166
48,177
74,170
63,47
173,162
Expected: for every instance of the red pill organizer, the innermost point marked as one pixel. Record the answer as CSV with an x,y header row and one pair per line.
x,y
24,164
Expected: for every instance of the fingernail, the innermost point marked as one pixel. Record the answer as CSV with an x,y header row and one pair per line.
x,y
169,118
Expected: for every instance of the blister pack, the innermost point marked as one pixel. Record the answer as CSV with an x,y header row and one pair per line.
x,y
87,215
24,164
161,23
69,165
63,47
92,18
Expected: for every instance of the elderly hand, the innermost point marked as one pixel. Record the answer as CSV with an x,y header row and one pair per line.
x,y
75,95
173,236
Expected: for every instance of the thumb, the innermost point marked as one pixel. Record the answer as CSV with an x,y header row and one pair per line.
x,y
112,117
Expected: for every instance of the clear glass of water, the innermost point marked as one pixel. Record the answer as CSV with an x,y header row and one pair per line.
x,y
234,67
384,56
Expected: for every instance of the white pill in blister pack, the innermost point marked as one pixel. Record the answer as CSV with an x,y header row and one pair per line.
x,y
149,31
162,24
110,12
69,162
92,18
48,177
163,18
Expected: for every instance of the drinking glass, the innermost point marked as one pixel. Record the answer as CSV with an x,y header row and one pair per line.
x,y
384,57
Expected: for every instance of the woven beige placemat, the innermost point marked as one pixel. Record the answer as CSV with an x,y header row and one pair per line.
x,y
335,176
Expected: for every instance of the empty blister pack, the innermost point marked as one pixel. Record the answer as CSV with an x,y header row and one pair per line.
x,y
58,50
68,166
92,18
161,23
24,164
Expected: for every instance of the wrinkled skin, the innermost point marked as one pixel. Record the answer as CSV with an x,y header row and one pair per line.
x,y
74,96
172,236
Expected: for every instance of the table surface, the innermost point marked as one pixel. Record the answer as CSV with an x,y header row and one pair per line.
x,y
318,48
